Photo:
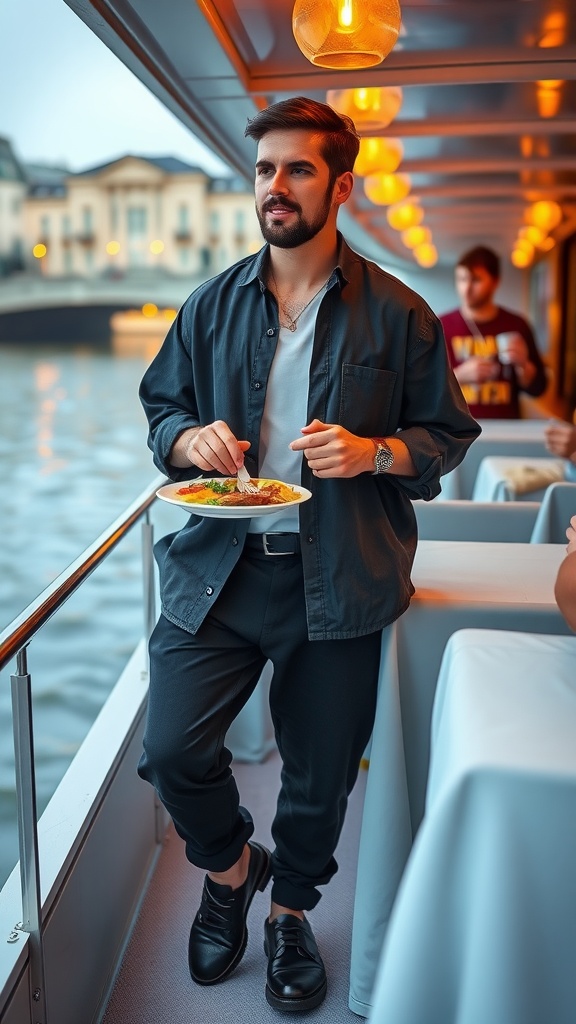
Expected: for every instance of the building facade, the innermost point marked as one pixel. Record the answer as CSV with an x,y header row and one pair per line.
x,y
137,213
13,188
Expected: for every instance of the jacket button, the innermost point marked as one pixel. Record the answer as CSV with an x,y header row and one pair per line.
x,y
310,539
234,541
209,591
270,332
257,385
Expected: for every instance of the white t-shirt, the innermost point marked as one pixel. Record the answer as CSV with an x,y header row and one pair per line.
x,y
285,413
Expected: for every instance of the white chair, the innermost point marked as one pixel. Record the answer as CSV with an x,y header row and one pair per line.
x,y
509,478
511,521
557,508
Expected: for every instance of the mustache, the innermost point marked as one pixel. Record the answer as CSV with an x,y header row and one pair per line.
x,y
284,204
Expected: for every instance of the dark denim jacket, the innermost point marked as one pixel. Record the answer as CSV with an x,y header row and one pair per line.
x,y
379,366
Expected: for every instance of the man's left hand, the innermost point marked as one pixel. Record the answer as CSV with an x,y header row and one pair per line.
x,y
332,451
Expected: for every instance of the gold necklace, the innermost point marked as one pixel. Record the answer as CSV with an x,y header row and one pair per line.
x,y
293,320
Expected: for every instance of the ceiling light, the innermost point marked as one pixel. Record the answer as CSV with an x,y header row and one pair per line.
x,y
426,255
371,109
384,189
545,214
346,33
404,215
417,235
377,154
520,258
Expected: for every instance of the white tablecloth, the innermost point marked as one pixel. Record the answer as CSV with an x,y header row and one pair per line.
x,y
484,927
458,584
492,483
498,437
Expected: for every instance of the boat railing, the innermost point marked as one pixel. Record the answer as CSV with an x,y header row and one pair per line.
x,y
14,641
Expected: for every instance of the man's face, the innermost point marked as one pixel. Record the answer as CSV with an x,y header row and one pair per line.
x,y
475,287
294,196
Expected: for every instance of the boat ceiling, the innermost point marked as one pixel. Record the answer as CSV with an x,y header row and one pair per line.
x,y
478,144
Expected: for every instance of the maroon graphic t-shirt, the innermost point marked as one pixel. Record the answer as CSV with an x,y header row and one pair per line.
x,y
492,399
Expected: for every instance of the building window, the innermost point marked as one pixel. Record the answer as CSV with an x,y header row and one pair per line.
x,y
240,221
214,222
136,220
183,218
45,226
67,261
184,256
87,224
66,226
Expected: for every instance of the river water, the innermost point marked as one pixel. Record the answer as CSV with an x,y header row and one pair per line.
x,y
73,456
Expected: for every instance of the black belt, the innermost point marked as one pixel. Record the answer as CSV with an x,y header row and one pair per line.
x,y
274,543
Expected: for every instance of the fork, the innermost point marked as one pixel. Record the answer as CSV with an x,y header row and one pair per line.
x,y
244,483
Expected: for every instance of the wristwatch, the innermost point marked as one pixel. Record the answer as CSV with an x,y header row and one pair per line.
x,y
383,456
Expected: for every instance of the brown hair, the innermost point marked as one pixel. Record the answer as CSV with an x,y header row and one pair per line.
x,y
481,256
341,140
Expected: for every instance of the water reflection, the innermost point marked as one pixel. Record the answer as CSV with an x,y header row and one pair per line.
x,y
73,455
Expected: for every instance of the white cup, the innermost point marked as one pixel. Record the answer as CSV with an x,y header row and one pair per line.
x,y
503,341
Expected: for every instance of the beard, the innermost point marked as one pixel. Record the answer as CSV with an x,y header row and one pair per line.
x,y
291,236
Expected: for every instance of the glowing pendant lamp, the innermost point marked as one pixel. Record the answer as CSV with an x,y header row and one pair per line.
x,y
545,214
533,234
384,189
371,109
426,254
520,258
404,215
346,33
416,236
377,154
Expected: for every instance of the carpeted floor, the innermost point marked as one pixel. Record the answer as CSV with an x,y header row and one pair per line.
x,y
154,986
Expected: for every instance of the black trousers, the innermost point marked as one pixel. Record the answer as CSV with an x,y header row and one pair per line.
x,y
322,700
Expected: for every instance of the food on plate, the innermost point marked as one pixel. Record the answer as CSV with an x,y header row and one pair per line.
x,y
225,493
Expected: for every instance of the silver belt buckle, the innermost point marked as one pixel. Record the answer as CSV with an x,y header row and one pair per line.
x,y
275,554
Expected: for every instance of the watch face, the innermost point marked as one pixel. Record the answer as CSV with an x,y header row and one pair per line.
x,y
383,459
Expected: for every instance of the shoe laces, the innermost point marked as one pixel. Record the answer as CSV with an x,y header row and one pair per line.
x,y
213,910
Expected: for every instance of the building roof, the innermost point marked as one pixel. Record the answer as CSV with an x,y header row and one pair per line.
x,y
10,168
168,164
46,180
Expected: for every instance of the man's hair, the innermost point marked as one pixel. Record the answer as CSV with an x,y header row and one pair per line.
x,y
481,256
341,141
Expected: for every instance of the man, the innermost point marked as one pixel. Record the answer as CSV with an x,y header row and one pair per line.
x,y
312,366
492,350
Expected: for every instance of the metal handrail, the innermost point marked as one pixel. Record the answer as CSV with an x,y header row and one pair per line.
x,y
25,626
14,641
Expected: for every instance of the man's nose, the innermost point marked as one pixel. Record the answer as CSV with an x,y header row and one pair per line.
x,y
278,185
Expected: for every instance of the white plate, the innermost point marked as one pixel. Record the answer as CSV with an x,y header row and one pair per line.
x,y
169,493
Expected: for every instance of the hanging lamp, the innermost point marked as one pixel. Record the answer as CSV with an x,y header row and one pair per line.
x,y
545,214
416,235
520,258
346,34
378,155
404,215
384,189
426,254
371,109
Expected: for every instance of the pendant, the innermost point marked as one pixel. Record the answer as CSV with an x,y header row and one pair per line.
x,y
292,327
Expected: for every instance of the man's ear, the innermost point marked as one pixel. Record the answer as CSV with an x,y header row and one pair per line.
x,y
343,187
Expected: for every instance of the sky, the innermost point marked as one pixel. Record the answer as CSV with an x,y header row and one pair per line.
x,y
65,99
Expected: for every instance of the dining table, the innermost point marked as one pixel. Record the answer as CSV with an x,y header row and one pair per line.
x,y
483,928
523,437
458,584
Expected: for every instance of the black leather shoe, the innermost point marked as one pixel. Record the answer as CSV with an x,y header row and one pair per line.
x,y
218,935
296,979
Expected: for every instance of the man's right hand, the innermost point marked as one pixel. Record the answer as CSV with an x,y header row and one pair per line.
x,y
476,369
213,447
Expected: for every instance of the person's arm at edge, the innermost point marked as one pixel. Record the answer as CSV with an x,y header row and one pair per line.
x,y
565,589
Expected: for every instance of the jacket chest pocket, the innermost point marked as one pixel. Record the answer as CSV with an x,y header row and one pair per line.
x,y
366,394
